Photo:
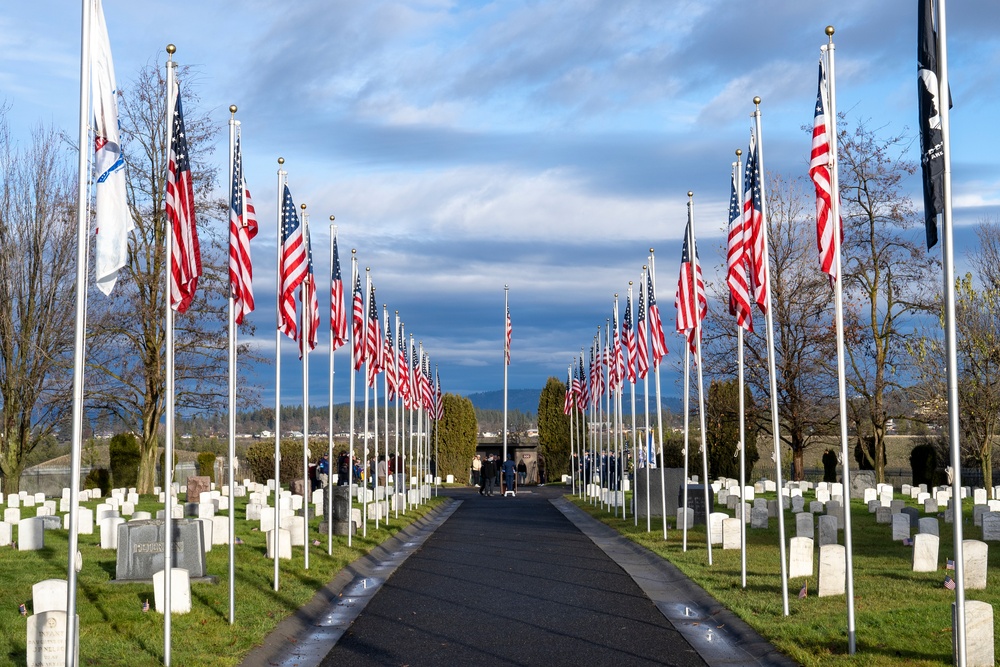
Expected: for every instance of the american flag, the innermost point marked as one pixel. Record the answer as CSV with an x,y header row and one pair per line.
x,y
753,226
507,332
416,390
659,343
641,344
293,268
389,357
145,606
242,228
583,394
628,340
804,591
426,391
568,398
358,324
619,357
692,305
22,609
949,583
402,369
373,340
308,298
338,313
820,162
438,399
185,261
738,274
611,352
949,564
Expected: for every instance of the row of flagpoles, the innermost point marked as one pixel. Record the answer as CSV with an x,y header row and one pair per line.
x,y
748,278
406,374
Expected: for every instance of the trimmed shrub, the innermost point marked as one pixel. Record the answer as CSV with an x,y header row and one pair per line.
x,y
206,465
260,459
124,455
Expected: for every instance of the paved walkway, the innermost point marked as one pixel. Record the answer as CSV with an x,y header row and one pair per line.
x,y
530,580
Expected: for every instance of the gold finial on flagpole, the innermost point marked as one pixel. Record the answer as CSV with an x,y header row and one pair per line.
x,y
232,109
644,267
690,193
171,49
354,251
829,30
739,152
332,218
281,160
630,283
756,100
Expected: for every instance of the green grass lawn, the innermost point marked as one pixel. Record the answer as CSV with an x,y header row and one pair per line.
x,y
901,617
113,628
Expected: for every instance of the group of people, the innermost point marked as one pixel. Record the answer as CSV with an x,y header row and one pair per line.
x,y
486,473
604,465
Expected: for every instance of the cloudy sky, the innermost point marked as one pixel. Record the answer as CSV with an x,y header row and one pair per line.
x,y
546,145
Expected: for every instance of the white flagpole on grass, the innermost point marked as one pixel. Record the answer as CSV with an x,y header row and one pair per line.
x,y
737,176
277,385
168,459
233,123
397,463
635,441
772,372
331,462
687,438
839,324
385,379
354,373
363,489
651,277
951,345
701,383
306,300
506,362
646,440
79,338
606,364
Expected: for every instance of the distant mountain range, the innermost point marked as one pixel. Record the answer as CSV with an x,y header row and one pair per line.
x,y
526,400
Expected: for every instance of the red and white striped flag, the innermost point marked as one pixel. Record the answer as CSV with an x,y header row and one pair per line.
x,y
691,301
293,267
508,329
242,228
309,299
659,342
358,324
753,226
438,398
402,370
373,340
628,340
388,357
338,313
185,266
568,397
737,277
820,163
641,344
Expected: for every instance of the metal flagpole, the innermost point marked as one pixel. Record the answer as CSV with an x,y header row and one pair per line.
x,y
233,123
646,439
437,427
839,317
701,383
363,489
373,470
506,362
572,438
168,460
772,373
651,277
397,462
79,337
421,436
306,301
606,361
687,434
635,441
354,373
737,177
414,399
948,261
385,379
277,383
330,461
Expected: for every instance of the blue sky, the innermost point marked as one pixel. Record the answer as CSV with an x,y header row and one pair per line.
x,y
545,145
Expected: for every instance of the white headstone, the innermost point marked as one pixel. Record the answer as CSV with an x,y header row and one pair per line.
x,y
991,526
800,557
46,639
979,650
296,530
284,544
925,552
685,514
30,534
109,531
975,553
6,534
979,496
12,515
716,519
832,570
49,595
822,495
180,591
869,495
930,506
220,529
730,533
28,501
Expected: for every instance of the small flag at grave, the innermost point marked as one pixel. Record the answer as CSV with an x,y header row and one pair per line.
x,y
949,564
315,543
907,542
239,541
24,610
13,544
145,606
949,583
803,592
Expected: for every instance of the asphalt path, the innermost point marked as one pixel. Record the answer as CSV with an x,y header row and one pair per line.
x,y
510,581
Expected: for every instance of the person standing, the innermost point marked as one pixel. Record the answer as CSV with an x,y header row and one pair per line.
x,y
522,472
488,472
509,472
323,471
477,467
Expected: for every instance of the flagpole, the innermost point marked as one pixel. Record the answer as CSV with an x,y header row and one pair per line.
x,y
331,462
651,277
232,394
687,436
397,463
839,317
277,386
79,337
737,176
701,383
168,460
414,391
772,373
363,490
438,396
354,373
951,345
374,470
506,362
306,300
392,346
606,360
572,409
646,441
635,441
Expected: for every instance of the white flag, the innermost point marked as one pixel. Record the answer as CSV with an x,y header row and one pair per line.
x,y
113,221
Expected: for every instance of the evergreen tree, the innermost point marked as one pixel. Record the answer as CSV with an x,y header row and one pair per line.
x,y
456,443
723,429
553,429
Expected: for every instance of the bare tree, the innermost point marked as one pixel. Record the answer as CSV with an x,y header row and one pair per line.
x,y
37,269
802,307
888,279
128,337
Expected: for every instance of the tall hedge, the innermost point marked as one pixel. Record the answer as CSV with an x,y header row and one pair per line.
x,y
454,437
260,459
206,465
553,429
